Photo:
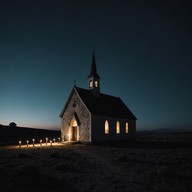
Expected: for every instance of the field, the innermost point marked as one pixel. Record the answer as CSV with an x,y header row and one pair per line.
x,y
11,135
155,162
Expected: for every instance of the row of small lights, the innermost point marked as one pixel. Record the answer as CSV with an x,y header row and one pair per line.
x,y
40,141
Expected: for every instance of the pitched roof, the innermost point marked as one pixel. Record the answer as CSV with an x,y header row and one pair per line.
x,y
105,105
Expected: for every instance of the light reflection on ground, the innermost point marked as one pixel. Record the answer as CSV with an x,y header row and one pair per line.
x,y
38,145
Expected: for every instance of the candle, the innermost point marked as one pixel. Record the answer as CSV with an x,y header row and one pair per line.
x,y
33,142
46,140
19,144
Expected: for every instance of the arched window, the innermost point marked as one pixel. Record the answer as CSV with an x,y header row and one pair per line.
x,y
96,83
91,84
126,127
106,127
117,127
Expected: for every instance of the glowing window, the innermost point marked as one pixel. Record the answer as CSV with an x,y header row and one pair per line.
x,y
117,127
106,127
91,84
126,127
96,83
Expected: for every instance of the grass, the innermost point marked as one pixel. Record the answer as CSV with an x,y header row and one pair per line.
x,y
164,166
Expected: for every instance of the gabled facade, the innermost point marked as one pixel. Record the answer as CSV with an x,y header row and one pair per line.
x,y
91,116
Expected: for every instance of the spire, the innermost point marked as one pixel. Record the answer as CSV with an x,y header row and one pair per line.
x,y
93,72
94,78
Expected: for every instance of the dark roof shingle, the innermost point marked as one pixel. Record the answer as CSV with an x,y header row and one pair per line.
x,y
105,105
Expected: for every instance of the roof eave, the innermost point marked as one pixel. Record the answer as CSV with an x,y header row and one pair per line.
x,y
83,102
111,116
94,75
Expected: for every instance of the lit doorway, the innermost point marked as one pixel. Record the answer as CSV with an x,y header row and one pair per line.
x,y
73,131
74,134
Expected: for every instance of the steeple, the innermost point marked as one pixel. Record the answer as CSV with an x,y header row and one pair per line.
x,y
94,78
93,71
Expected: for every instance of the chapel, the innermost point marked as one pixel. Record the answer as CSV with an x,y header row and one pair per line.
x,y
92,116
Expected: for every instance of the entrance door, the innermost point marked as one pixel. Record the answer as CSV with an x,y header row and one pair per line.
x,y
74,134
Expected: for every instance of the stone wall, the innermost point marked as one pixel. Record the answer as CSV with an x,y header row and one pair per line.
x,y
82,117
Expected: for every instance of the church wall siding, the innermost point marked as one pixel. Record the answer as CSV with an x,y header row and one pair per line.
x,y
84,128
98,129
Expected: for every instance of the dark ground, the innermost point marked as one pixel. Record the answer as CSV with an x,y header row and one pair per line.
x,y
12,135
155,162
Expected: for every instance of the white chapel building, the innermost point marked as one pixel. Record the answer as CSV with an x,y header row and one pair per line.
x,y
92,116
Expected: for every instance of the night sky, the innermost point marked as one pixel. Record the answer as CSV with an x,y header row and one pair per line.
x,y
143,53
